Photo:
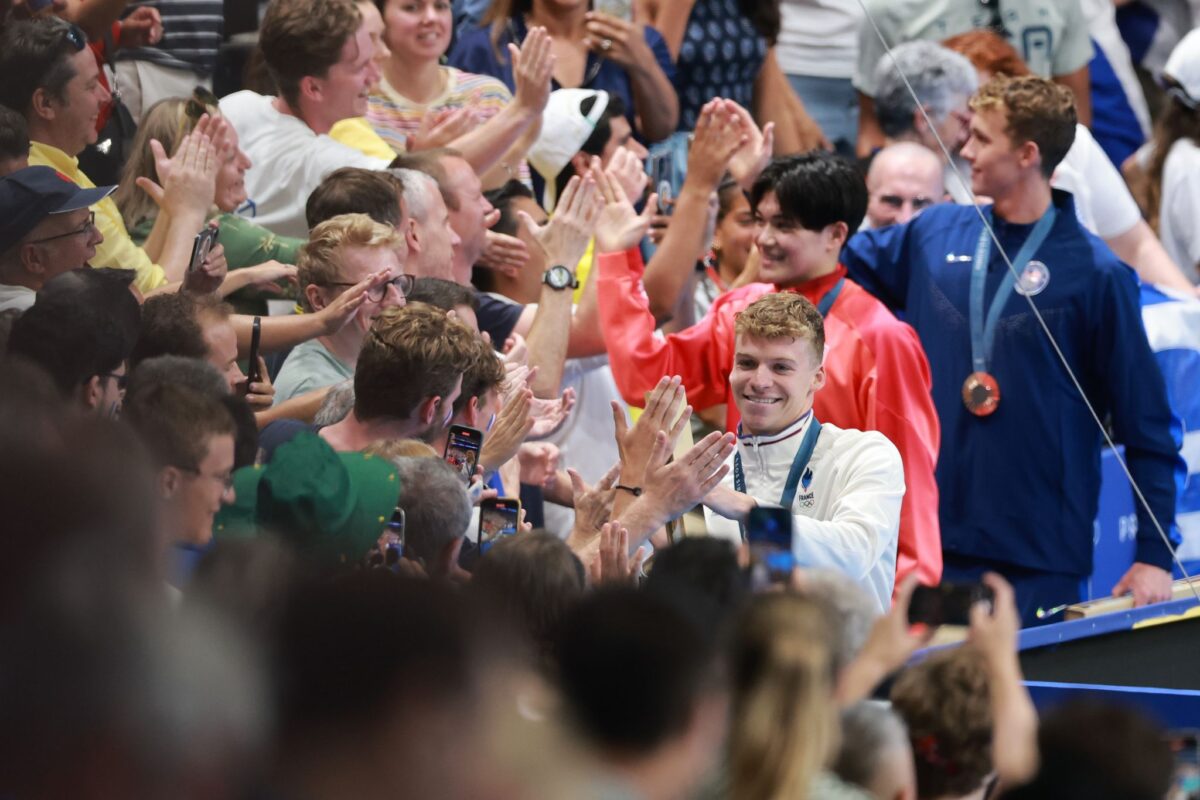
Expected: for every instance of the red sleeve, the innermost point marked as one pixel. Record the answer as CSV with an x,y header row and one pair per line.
x,y
901,408
639,357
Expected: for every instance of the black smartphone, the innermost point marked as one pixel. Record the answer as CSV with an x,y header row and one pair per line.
x,y
253,374
498,516
769,534
462,450
662,181
201,246
393,538
946,603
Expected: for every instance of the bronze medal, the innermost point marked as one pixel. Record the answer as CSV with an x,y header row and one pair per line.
x,y
981,393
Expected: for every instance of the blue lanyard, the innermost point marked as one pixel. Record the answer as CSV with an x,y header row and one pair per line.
x,y
830,297
983,334
799,463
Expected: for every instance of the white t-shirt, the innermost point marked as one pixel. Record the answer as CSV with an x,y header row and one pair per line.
x,y
1179,213
289,160
1051,35
846,515
19,297
586,440
819,37
1102,200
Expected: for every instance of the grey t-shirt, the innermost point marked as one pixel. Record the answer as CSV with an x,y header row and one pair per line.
x,y
309,366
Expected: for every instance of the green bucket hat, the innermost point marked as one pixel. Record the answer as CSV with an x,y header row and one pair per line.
x,y
329,505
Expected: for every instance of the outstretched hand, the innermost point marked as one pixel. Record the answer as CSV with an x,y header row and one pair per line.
x,y
620,227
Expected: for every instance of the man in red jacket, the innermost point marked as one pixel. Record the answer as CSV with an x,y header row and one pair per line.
x,y
877,376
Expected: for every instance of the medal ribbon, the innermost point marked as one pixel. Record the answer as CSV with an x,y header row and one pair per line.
x,y
983,334
799,462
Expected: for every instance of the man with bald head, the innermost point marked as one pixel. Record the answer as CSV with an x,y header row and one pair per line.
x,y
904,179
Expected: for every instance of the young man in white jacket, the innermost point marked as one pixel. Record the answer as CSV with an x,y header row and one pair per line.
x,y
843,486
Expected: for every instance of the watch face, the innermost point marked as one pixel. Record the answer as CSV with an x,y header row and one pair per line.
x,y
558,277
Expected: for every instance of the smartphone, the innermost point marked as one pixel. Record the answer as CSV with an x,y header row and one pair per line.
x,y
253,374
769,534
498,516
621,9
203,243
393,536
662,181
946,603
462,450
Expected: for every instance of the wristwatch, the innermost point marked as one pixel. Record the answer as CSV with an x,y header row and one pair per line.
x,y
559,277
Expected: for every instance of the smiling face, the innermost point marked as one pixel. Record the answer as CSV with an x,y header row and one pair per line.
x,y
900,188
791,253
202,492
418,29
75,114
344,89
468,219
61,242
231,178
774,381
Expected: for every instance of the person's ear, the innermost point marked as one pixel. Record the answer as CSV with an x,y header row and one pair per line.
x,y
312,293
169,481
311,88
92,392
428,410
413,235
42,104
471,412
818,378
1029,154
32,260
837,233
581,163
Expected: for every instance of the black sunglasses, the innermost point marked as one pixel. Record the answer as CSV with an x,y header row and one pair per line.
x,y
122,380
75,35
198,104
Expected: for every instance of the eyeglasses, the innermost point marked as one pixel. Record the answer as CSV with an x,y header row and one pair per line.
x,y
122,380
404,285
199,103
86,228
76,36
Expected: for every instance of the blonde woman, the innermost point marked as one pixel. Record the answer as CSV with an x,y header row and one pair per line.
x,y
784,730
246,243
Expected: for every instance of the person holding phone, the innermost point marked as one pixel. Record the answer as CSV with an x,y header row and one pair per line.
x,y
842,487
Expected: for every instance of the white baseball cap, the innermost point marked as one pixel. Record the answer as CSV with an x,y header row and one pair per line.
x,y
1184,68
565,128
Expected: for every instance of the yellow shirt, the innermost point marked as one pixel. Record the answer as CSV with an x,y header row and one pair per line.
x,y
356,132
117,250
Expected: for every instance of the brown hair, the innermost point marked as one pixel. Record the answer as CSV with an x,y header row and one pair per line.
x,y
781,315
988,52
354,190
1038,110
302,38
945,702
429,162
318,262
410,354
485,372
784,724
176,422
1176,122
391,449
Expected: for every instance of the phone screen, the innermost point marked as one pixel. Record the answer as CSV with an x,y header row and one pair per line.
x,y
498,516
252,371
462,450
201,246
662,180
946,603
621,9
769,534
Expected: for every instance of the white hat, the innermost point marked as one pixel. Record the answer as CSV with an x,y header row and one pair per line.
x,y
1184,67
564,130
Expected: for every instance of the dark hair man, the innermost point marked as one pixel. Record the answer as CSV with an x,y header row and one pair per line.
x,y
877,377
1019,472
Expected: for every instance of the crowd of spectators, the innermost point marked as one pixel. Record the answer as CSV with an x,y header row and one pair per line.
x,y
410,417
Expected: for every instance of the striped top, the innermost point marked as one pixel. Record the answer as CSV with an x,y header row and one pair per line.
x,y
395,117
192,33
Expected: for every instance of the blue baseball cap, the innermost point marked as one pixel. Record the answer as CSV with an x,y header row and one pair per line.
x,y
29,195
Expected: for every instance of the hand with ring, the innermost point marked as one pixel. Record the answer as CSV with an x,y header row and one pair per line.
x,y
619,40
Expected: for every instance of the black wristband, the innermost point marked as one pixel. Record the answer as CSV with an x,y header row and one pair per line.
x,y
636,491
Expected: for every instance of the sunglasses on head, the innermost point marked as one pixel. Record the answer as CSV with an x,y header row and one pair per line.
x,y
199,103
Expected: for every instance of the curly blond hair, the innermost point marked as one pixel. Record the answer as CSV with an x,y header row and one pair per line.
x,y
1037,109
318,262
783,315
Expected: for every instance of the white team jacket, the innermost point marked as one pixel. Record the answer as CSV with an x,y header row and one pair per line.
x,y
846,515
